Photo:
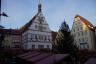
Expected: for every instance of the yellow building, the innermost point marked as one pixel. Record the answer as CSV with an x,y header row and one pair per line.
x,y
84,33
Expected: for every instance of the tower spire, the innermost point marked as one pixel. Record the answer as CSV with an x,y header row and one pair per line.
x,y
39,6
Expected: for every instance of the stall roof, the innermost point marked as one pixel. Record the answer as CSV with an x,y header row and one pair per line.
x,y
42,58
91,61
52,59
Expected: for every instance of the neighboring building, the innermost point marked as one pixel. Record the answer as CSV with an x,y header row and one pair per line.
x,y
36,34
84,33
95,34
12,38
95,30
54,34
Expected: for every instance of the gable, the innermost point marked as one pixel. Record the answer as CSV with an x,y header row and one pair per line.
x,y
40,23
83,20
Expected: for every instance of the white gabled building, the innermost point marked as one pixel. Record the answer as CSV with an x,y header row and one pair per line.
x,y
84,33
36,34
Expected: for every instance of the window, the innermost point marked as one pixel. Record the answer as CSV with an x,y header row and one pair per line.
x,y
36,27
86,32
29,35
82,33
75,23
74,35
78,29
49,38
41,37
74,30
47,46
25,46
29,39
86,39
79,40
33,46
17,46
78,34
40,46
36,36
83,46
82,39
33,36
87,46
40,28
44,28
41,19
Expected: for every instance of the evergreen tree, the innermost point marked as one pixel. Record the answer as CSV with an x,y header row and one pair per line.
x,y
64,42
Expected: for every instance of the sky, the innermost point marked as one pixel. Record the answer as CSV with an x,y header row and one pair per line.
x,y
55,11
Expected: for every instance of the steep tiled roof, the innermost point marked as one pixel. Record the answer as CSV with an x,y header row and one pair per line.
x,y
25,27
85,21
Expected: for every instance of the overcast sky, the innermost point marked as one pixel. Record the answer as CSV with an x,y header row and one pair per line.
x,y
55,11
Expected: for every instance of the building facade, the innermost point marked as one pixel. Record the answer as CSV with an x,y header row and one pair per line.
x,y
95,30
95,34
12,38
84,33
36,34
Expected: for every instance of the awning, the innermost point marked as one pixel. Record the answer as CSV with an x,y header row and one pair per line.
x,y
91,61
42,58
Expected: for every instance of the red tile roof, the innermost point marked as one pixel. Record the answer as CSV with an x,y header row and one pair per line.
x,y
85,21
10,31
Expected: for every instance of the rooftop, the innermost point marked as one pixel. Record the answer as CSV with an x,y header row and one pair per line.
x,y
85,21
10,31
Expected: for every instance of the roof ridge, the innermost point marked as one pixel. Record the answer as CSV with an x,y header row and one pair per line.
x,y
85,21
